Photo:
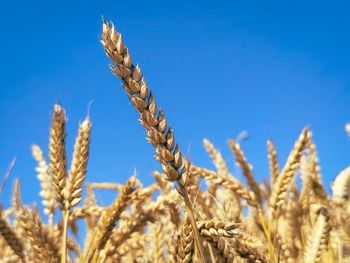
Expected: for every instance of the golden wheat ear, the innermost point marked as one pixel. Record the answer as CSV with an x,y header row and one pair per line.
x,y
47,187
273,162
318,240
33,229
57,153
108,221
279,191
152,118
185,243
246,170
77,173
11,238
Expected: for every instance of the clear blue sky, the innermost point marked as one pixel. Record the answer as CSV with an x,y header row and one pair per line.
x,y
217,68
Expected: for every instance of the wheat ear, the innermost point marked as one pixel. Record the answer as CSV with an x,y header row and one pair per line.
x,y
318,241
160,135
314,169
135,223
30,222
16,198
157,242
58,167
233,185
108,220
186,243
246,170
57,153
279,190
47,187
273,162
216,156
340,187
10,237
79,163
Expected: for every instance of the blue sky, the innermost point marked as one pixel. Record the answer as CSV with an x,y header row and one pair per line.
x,y
216,68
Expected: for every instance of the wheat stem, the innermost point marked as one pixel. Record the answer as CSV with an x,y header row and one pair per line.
x,y
65,215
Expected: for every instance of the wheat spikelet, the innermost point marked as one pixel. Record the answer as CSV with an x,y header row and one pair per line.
x,y
58,159
79,163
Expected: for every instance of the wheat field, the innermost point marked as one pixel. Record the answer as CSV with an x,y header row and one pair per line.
x,y
189,214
